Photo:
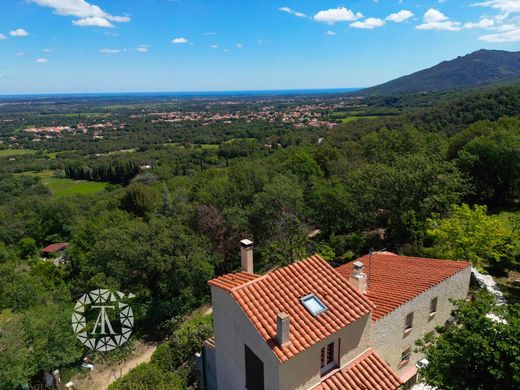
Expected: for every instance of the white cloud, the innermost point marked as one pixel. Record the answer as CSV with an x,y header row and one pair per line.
x,y
505,25
143,49
507,36
400,16
330,33
88,14
505,32
214,46
369,23
292,12
433,15
239,46
505,6
110,51
484,23
2,36
46,50
180,41
20,54
436,20
41,61
19,32
335,15
95,21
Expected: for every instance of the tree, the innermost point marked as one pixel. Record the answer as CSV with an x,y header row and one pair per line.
x,y
37,339
478,352
493,163
471,235
140,199
332,206
402,195
159,261
276,220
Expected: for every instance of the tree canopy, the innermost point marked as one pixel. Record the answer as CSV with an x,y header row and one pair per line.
x,y
481,351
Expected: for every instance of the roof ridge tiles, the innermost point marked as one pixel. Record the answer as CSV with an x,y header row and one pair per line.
x,y
395,280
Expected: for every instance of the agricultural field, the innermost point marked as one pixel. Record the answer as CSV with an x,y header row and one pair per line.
x,y
61,187
201,146
15,152
355,118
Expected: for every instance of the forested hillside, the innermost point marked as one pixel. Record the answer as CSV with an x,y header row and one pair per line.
x,y
478,69
171,214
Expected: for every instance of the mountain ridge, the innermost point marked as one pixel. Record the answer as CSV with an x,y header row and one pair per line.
x,y
481,68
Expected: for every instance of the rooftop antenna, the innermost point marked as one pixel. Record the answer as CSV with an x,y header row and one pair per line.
x,y
370,252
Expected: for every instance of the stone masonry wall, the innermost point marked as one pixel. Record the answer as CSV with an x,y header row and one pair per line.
x,y
387,335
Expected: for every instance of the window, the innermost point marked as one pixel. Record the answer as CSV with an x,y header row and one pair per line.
x,y
433,306
313,304
405,357
254,371
408,325
328,358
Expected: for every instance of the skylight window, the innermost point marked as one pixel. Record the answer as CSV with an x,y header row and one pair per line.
x,y
313,304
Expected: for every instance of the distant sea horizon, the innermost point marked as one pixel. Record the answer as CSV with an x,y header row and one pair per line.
x,y
186,94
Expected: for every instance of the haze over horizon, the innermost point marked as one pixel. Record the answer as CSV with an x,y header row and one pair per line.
x,y
98,46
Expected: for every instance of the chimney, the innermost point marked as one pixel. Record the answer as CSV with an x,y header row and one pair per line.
x,y
358,278
246,254
283,322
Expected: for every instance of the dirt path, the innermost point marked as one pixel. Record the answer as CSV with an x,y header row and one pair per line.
x,y
101,377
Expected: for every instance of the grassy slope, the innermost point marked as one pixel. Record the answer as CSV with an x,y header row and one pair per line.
x,y
67,187
15,152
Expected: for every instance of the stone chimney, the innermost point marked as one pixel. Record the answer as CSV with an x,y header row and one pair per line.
x,y
283,331
358,278
246,254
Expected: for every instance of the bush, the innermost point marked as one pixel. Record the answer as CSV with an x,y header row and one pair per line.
x,y
27,247
185,342
148,376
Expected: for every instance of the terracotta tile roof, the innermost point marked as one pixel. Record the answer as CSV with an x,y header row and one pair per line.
x,y
52,248
230,281
368,371
280,290
395,280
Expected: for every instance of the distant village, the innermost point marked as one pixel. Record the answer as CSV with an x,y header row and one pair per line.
x,y
314,114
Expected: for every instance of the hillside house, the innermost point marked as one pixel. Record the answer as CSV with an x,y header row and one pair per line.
x,y
310,326
55,252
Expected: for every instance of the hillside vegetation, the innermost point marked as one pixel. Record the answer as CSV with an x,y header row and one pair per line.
x,y
173,215
478,69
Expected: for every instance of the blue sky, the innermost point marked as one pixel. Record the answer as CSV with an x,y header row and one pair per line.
x,y
60,46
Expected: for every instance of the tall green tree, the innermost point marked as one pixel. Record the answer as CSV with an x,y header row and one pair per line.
x,y
493,163
481,351
37,339
402,195
470,234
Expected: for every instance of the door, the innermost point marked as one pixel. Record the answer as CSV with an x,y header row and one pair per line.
x,y
254,371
